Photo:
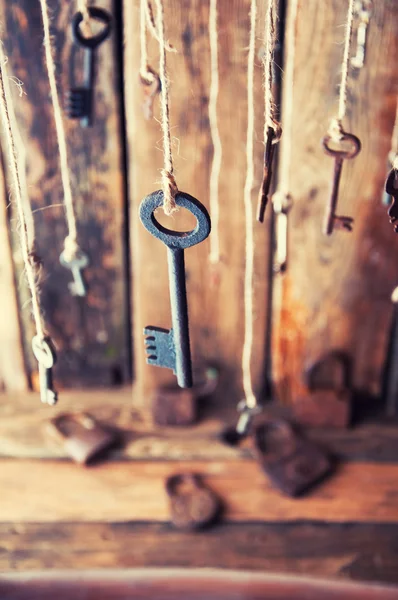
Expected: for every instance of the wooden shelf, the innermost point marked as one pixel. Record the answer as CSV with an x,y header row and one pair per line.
x,y
55,514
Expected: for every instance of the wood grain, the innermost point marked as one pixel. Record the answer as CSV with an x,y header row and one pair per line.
x,y
61,491
335,295
13,376
23,435
91,334
357,552
215,298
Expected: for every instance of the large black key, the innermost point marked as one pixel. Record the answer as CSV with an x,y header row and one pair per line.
x,y
171,348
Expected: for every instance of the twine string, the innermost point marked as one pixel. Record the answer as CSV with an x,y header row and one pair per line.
x,y
31,266
82,6
169,184
250,399
215,135
270,37
336,125
71,247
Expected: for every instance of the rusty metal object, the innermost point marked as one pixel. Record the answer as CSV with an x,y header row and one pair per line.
x,y
81,436
271,142
292,463
175,406
152,86
331,219
391,188
328,401
192,504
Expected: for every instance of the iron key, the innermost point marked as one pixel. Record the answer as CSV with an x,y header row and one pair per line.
x,y
46,358
331,219
76,265
171,348
391,189
79,100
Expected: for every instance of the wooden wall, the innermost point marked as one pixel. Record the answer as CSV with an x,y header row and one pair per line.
x,y
91,334
335,293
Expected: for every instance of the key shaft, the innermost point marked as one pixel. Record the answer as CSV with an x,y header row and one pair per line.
x,y
179,316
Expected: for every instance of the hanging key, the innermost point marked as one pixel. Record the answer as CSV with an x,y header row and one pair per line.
x,y
46,357
171,348
268,161
79,262
392,190
331,219
80,99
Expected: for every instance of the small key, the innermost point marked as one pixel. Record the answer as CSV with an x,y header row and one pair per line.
x,y
80,100
46,357
79,262
392,190
268,161
171,348
331,219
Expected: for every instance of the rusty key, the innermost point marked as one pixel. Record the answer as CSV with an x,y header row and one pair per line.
x,y
331,219
392,190
268,161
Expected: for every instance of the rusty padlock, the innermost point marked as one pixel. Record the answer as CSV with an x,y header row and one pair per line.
x,y
192,504
81,436
328,401
175,406
292,463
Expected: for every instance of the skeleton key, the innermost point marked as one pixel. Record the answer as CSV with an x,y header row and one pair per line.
x,y
76,265
392,190
79,100
171,348
331,219
46,357
268,160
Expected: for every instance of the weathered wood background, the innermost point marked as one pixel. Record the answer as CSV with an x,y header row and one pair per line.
x,y
335,296
91,334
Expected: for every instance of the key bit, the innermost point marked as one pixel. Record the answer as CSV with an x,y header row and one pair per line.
x,y
391,188
171,348
79,262
331,219
80,99
46,357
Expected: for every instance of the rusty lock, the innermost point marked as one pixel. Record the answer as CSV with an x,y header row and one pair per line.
x,y
175,406
327,402
292,463
192,504
81,436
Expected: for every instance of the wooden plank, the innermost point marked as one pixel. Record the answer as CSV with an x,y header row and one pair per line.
x,y
61,491
91,334
336,292
13,377
357,552
216,308
23,435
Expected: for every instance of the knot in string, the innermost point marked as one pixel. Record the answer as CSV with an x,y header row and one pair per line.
x,y
170,190
71,248
336,130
